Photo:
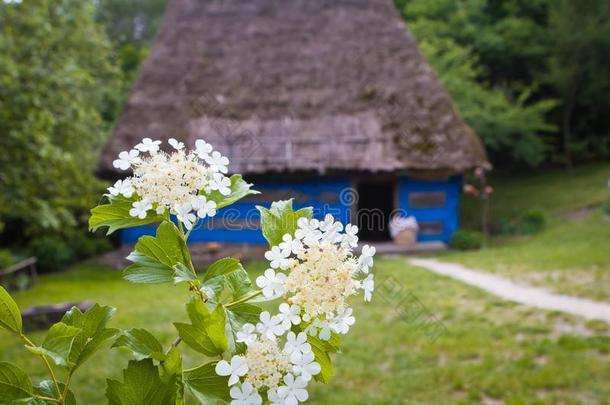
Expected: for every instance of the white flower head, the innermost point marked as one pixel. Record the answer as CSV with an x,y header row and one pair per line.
x,y
296,343
304,364
247,334
351,235
308,231
126,159
148,145
289,315
271,283
330,229
203,149
342,322
203,207
140,209
245,394
122,187
184,213
221,183
366,258
368,285
175,143
293,391
270,326
290,245
237,368
278,258
217,162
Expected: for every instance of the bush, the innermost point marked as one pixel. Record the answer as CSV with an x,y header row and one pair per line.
x,y
6,258
530,222
56,251
467,240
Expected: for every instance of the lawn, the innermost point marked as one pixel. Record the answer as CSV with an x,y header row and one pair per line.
x,y
570,256
471,349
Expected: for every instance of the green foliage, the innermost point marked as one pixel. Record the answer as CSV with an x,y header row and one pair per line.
x,y
529,222
115,215
206,333
55,73
225,281
15,384
239,190
6,258
280,219
467,240
141,385
205,385
141,343
10,317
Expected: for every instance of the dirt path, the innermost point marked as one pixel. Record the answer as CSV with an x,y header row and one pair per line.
x,y
532,296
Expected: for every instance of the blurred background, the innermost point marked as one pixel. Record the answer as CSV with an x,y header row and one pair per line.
x,y
531,78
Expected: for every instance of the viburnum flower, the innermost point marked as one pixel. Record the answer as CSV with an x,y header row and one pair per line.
x,y
126,159
304,364
278,258
320,328
221,183
294,390
267,364
296,343
290,245
122,187
245,395
203,149
350,237
308,231
140,209
342,322
217,162
184,213
175,144
289,314
237,368
246,334
270,326
203,207
366,258
368,285
148,145
271,283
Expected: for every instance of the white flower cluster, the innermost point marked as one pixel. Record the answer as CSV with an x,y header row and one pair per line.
x,y
314,271
178,181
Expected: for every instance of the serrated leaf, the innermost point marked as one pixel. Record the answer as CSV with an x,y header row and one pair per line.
x,y
141,343
14,383
225,281
48,388
281,219
154,257
239,190
58,344
170,372
183,273
115,215
141,385
205,385
206,333
10,317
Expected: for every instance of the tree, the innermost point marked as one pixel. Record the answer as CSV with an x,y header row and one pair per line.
x,y
56,80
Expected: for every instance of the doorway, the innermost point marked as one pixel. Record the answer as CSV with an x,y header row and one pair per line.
x,y
375,205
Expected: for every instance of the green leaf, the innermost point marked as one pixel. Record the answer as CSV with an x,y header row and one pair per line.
x,y
281,219
141,385
183,273
48,388
225,281
170,371
238,316
205,385
58,344
206,333
115,215
10,317
239,190
142,343
155,257
321,350
14,383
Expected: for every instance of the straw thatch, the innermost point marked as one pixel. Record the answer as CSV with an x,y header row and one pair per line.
x,y
296,85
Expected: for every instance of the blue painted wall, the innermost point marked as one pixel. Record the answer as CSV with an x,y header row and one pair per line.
x,y
240,222
447,215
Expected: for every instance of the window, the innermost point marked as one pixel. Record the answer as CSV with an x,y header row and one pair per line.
x,y
431,228
427,199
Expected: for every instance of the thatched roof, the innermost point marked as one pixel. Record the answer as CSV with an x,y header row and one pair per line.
x,y
296,85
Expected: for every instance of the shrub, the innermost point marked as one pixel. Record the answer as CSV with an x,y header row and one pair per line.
x,y
528,223
6,258
53,252
467,240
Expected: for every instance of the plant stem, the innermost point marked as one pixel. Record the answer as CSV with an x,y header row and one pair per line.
x,y
43,398
244,299
46,362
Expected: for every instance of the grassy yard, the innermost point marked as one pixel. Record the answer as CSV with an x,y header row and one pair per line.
x,y
572,255
473,348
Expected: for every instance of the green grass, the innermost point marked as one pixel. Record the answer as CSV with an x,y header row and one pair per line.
x,y
572,255
488,349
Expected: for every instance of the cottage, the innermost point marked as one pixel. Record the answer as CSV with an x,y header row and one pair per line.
x,y
326,101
